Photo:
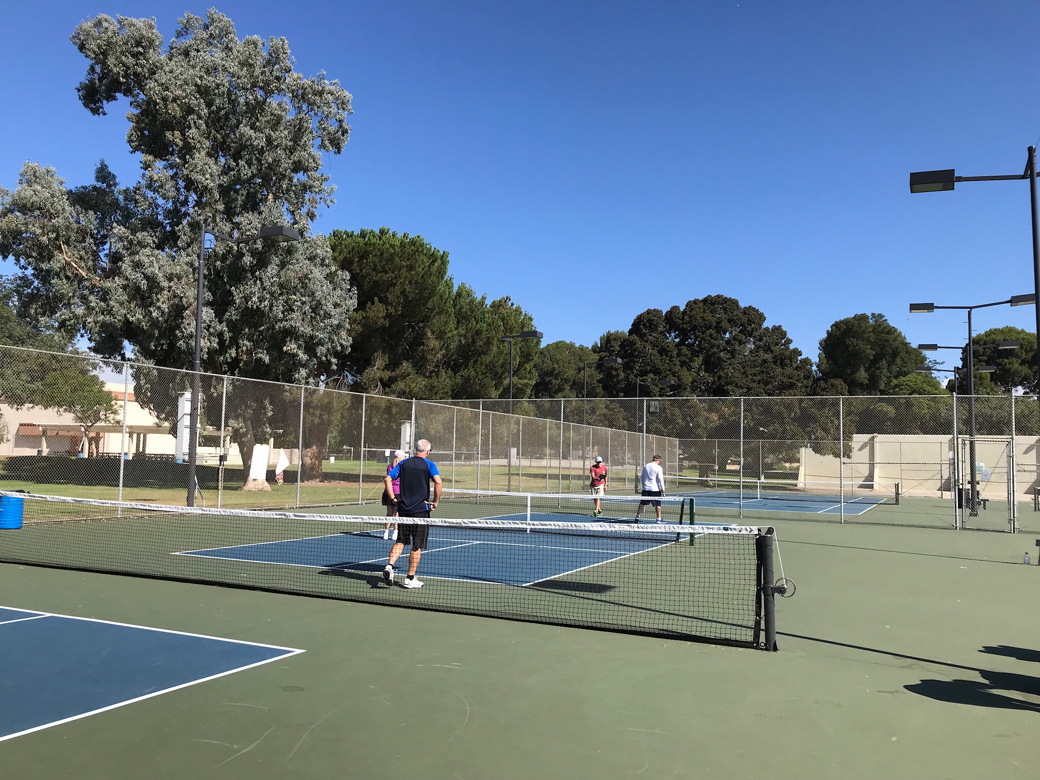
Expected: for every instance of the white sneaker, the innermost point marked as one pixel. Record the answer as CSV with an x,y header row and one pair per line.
x,y
394,535
388,574
386,533
412,582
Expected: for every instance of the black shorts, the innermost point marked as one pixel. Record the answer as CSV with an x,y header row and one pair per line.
x,y
651,493
416,535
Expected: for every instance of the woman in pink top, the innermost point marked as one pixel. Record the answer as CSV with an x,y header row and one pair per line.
x,y
391,501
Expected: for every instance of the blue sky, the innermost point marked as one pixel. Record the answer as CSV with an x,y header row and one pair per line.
x,y
595,159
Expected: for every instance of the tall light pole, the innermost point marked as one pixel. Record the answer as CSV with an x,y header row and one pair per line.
x,y
277,233
527,334
926,308
603,361
945,180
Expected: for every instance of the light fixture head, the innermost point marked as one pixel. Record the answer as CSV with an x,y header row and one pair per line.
x,y
530,334
1023,300
932,181
923,369
985,369
922,308
928,347
1009,344
279,234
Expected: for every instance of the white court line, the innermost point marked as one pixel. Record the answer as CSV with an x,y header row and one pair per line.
x,y
593,565
288,652
21,620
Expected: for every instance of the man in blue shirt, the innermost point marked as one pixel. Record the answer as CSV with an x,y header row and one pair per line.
x,y
414,475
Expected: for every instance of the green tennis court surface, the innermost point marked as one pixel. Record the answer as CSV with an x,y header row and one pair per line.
x,y
906,653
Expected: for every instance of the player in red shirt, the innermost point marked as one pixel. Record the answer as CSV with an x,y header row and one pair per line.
x,y
598,483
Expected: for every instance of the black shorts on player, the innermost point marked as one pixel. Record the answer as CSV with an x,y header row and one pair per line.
x,y
651,494
417,535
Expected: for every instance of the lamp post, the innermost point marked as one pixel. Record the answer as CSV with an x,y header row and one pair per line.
x,y
603,361
925,308
527,334
945,180
659,383
276,233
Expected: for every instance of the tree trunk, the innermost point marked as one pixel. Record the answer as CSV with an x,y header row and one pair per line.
x,y
312,462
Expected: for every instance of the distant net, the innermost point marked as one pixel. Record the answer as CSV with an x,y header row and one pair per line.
x,y
724,490
550,507
697,582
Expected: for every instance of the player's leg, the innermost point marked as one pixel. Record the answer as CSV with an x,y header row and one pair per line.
x,y
419,541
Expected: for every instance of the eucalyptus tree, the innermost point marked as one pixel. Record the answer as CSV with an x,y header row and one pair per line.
x,y
230,137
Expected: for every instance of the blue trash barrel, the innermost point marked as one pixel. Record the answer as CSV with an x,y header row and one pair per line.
x,y
11,509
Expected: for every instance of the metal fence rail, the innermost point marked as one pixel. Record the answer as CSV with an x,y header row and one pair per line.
x,y
78,425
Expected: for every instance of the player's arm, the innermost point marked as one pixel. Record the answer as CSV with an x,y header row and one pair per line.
x,y
388,481
388,485
438,485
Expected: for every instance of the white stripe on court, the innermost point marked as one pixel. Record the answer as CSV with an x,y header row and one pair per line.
x,y
287,652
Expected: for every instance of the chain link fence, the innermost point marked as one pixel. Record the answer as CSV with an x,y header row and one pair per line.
x,y
81,426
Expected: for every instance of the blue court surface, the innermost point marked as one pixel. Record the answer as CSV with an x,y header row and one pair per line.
x,y
476,555
57,668
816,505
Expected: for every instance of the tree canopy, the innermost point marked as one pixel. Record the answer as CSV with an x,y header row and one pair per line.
x,y
1016,368
415,334
712,346
229,136
867,353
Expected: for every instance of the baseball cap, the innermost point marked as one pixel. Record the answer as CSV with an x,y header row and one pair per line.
x,y
399,454
599,459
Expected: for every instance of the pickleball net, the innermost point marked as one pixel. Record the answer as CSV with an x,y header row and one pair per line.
x,y
830,492
706,582
491,504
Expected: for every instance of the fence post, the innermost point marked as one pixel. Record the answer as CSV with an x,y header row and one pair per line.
x,y
955,474
740,459
519,455
299,463
122,445
559,463
546,463
841,455
223,454
361,461
480,439
1012,492
454,427
491,447
411,432
644,430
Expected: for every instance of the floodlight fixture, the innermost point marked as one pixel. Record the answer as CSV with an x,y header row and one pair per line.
x,y
932,181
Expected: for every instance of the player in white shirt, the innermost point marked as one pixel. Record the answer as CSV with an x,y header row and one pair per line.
x,y
653,486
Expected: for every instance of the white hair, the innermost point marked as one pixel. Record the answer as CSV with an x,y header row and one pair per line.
x,y
422,446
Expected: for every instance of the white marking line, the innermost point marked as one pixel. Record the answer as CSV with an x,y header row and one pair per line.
x,y
287,652
598,563
344,566
21,620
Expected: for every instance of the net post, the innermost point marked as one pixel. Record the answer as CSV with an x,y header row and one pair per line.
x,y
764,550
899,492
